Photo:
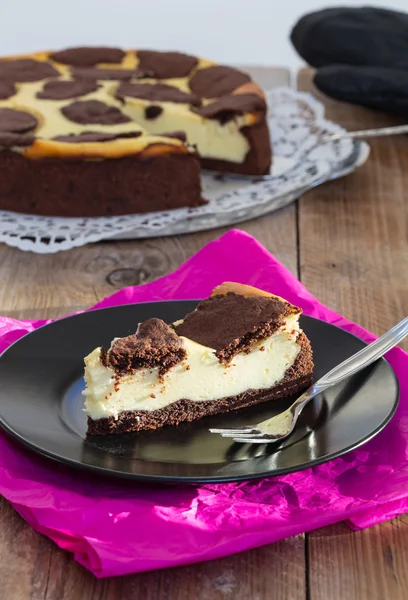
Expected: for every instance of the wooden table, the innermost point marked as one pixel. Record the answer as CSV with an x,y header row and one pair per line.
x,y
347,242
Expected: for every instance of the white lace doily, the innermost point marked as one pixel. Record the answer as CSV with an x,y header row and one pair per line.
x,y
300,162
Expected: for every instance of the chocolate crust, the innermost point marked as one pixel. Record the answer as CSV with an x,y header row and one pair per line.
x,y
75,188
297,378
258,159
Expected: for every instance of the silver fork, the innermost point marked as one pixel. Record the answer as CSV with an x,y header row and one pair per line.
x,y
366,133
283,424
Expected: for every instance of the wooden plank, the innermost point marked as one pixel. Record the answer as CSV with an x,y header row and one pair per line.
x,y
354,257
365,564
25,558
354,232
48,286
32,284
276,571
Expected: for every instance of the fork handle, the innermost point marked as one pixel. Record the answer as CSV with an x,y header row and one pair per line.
x,y
367,133
363,358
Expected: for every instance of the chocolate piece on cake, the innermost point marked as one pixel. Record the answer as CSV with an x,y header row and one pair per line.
x,y
111,92
154,344
88,56
232,322
26,70
239,347
165,65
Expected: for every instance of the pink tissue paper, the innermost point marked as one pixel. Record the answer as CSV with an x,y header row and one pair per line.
x,y
116,527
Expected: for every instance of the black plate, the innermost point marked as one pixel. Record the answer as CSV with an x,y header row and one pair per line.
x,y
41,405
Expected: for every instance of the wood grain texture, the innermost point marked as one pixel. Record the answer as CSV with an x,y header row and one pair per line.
x,y
32,284
353,251
275,571
354,232
41,286
25,558
368,565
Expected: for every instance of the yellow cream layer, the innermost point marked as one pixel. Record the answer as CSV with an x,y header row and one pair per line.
x,y
52,122
212,139
199,377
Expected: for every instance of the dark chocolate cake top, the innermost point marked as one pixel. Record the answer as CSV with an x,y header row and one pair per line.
x,y
217,81
178,135
165,65
7,90
103,74
65,90
156,92
94,136
226,108
9,139
154,344
87,112
88,56
24,70
152,111
232,323
16,121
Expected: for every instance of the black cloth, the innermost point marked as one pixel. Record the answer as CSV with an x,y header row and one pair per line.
x,y
361,55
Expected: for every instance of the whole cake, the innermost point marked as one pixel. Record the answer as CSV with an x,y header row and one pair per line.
x,y
239,347
102,131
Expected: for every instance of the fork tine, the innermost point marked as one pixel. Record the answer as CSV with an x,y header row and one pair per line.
x,y
237,430
255,434
254,440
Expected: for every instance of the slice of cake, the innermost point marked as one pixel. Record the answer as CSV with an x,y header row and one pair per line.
x,y
239,347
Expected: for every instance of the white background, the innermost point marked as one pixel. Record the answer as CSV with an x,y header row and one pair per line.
x,y
230,31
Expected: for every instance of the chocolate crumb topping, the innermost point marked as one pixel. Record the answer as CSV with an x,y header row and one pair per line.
x,y
26,70
103,357
16,121
104,74
226,108
233,323
153,111
154,344
88,56
93,111
7,90
156,92
165,65
178,135
9,140
65,90
95,136
213,82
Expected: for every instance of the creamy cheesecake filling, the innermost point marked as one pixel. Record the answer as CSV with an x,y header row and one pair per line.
x,y
199,377
57,124
218,109
211,138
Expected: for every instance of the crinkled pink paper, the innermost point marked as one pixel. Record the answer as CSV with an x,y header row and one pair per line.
x,y
115,527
